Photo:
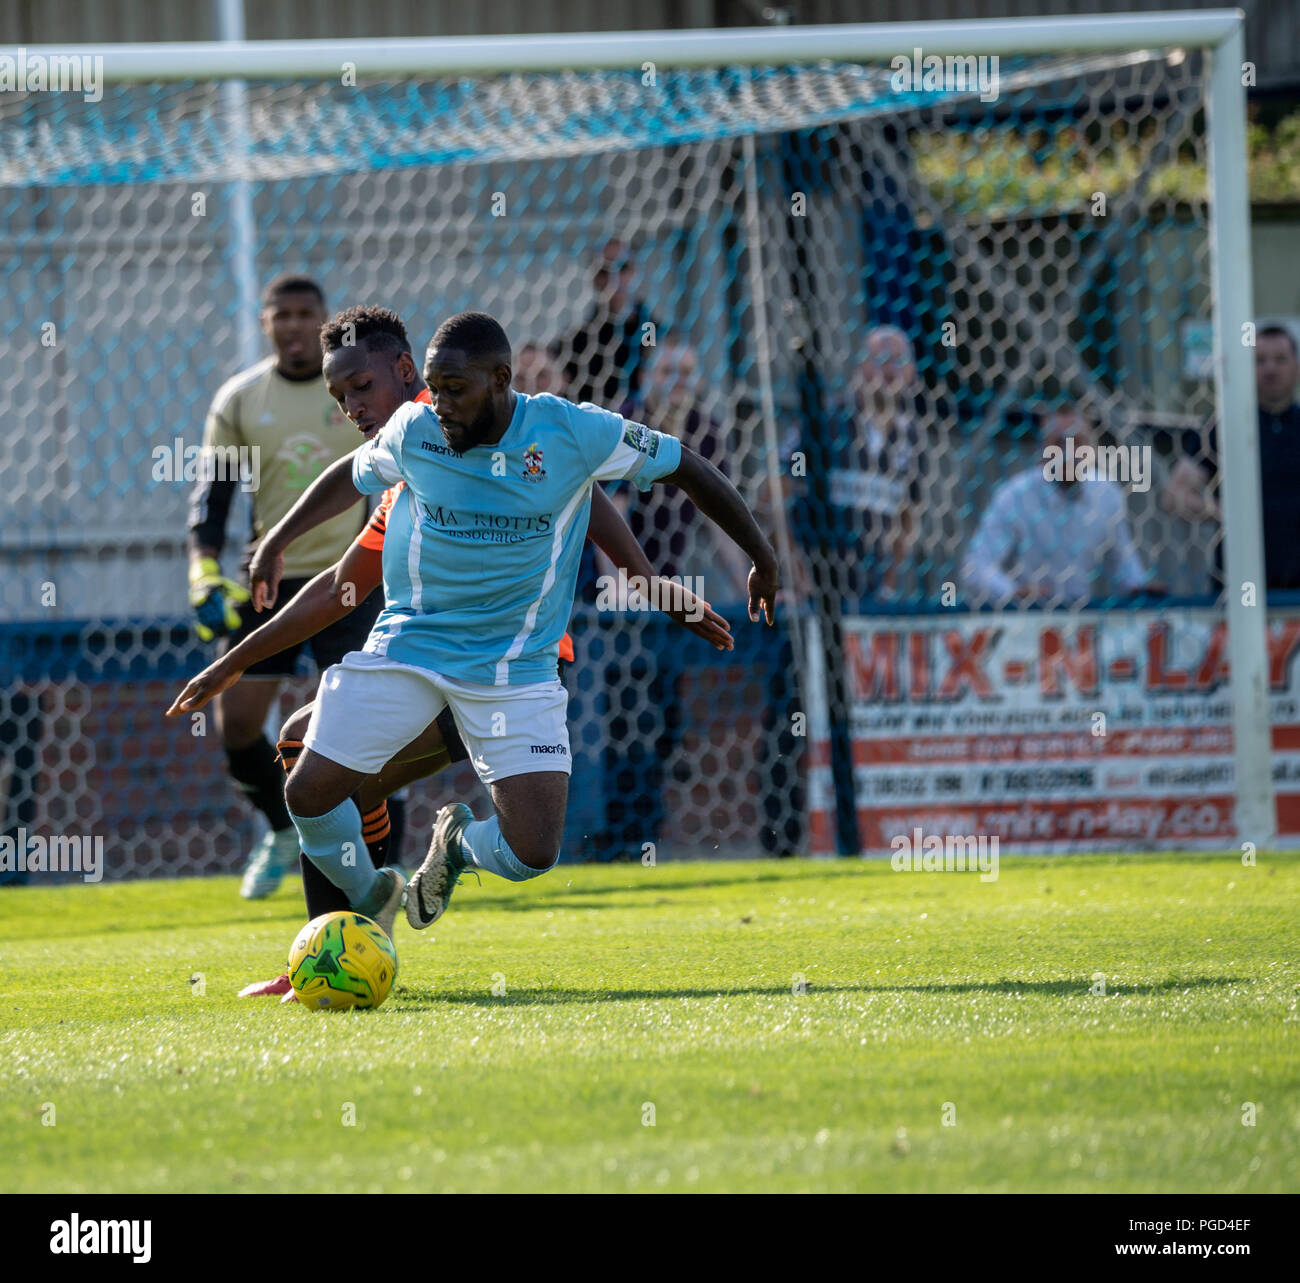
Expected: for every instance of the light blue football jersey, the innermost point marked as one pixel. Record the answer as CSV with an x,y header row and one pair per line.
x,y
481,551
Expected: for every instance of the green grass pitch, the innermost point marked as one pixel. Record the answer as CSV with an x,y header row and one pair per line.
x,y
780,1026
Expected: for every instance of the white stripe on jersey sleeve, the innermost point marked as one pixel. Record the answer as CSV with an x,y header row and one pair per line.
x,y
626,458
639,454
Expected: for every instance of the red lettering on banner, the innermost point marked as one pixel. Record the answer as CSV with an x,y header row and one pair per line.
x,y
1281,646
918,665
1158,676
1139,785
876,676
1079,665
1138,820
1214,664
966,655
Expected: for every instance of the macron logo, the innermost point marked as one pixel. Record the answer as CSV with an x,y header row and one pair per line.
x,y
436,449
549,748
94,1238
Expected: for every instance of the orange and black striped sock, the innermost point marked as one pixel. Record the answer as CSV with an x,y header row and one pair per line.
x,y
289,752
377,831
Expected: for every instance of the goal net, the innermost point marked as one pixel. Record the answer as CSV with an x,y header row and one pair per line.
x,y
870,290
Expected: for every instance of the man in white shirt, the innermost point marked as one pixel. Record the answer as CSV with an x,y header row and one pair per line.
x,y
1055,540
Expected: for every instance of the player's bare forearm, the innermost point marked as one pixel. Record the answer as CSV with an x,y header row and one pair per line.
x,y
721,502
327,598
613,536
316,606
330,495
357,574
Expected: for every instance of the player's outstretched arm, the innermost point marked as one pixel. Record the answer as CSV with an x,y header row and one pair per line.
x,y
328,597
720,501
613,536
330,495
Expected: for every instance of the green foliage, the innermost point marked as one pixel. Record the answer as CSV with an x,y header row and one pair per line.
x,y
997,174
1275,161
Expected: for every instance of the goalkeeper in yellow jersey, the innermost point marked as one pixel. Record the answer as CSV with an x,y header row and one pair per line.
x,y
277,422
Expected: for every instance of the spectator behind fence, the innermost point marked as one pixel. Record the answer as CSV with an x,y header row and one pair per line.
x,y
851,483
537,370
854,481
604,359
1049,540
645,708
665,525
1193,488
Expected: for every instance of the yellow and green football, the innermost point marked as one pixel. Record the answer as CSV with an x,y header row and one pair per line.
x,y
342,960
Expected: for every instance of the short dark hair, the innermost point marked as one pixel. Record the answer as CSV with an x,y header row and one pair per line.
x,y
292,283
378,328
477,334
1279,331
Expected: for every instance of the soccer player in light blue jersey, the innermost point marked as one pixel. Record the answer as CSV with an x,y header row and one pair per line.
x,y
480,562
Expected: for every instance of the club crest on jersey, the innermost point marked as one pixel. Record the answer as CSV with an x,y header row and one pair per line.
x,y
533,469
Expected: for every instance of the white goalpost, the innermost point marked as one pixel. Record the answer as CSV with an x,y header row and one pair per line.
x,y
446,173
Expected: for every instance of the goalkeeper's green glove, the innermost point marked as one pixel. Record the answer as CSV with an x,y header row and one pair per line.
x,y
213,598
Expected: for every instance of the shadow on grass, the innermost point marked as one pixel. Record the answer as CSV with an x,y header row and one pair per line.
x,y
1079,988
290,912
553,897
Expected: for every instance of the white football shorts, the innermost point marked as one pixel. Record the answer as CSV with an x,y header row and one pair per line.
x,y
369,707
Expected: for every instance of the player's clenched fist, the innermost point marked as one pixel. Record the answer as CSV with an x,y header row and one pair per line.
x,y
213,599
